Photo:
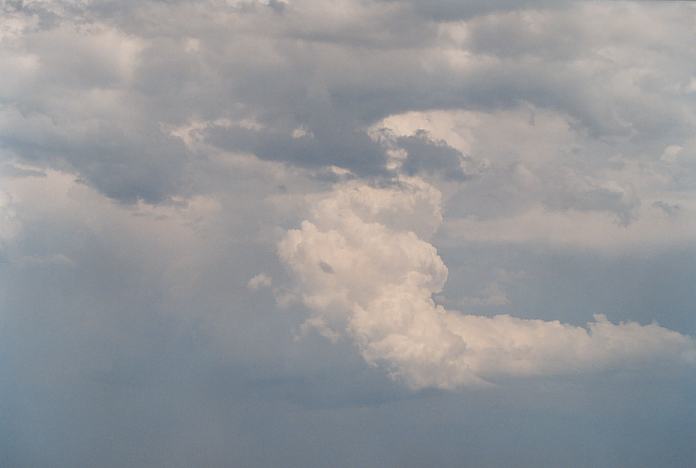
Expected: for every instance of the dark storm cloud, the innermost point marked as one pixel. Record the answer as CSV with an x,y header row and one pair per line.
x,y
147,165
428,156
340,146
331,74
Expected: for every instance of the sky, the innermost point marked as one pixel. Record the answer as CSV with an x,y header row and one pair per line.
x,y
387,233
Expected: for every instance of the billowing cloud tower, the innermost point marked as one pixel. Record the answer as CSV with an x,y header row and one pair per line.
x,y
366,271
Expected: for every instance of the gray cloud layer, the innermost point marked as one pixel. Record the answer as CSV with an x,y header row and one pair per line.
x,y
332,74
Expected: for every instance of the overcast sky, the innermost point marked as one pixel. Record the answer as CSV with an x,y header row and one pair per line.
x,y
389,233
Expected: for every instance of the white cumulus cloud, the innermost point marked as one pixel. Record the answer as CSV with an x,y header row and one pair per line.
x,y
259,281
366,271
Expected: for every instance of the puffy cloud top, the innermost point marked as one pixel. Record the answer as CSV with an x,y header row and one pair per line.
x,y
366,272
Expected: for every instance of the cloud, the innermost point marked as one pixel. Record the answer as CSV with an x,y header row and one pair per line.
x,y
576,229
154,152
9,224
91,87
260,281
671,153
427,156
384,273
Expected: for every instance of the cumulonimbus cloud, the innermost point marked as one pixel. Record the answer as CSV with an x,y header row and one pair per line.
x,y
366,271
